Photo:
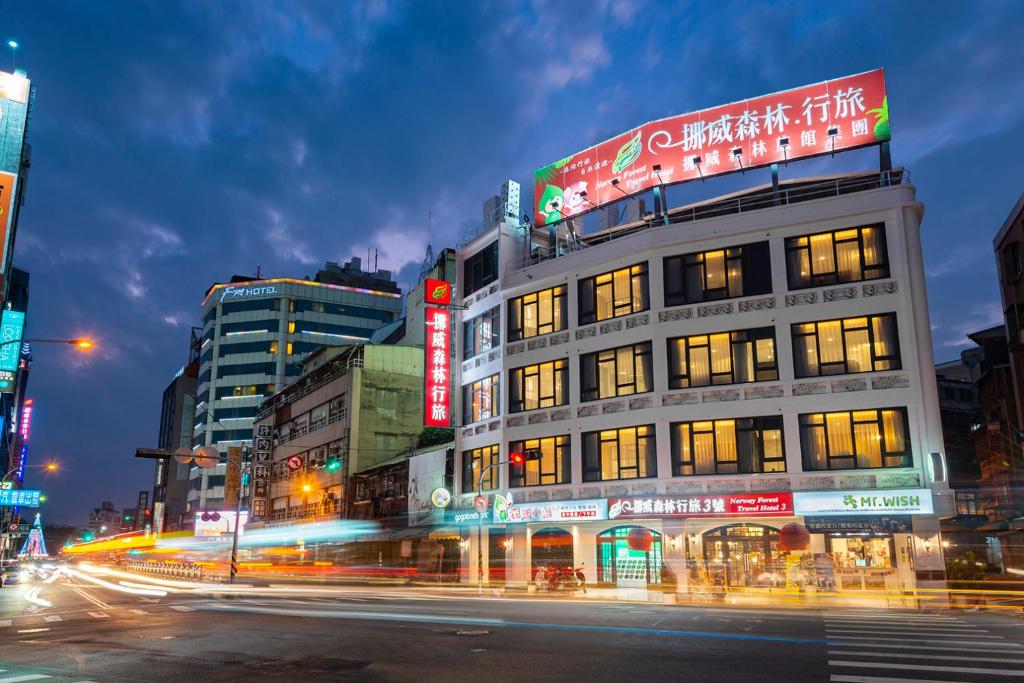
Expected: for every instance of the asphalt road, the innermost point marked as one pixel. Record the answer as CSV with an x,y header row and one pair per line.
x,y
92,633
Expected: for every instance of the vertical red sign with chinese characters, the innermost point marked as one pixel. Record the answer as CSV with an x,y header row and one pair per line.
x,y
437,368
831,116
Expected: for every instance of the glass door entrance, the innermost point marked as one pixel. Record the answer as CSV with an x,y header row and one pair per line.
x,y
749,553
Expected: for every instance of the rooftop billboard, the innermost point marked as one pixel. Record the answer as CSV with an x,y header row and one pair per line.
x,y
14,100
822,118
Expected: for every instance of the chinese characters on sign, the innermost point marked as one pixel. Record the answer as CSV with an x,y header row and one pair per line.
x,y
437,369
24,497
26,419
724,505
826,117
261,470
561,511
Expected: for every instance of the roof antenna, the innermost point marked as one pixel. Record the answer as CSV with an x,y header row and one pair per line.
x,y
258,272
375,259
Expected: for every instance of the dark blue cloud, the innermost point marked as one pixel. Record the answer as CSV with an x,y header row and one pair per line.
x,y
176,144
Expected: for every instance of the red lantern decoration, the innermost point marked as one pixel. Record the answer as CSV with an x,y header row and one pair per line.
x,y
640,539
794,537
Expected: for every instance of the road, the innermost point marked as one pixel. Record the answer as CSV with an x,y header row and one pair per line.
x,y
90,632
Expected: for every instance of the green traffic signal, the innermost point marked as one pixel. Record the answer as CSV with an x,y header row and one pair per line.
x,y
88,536
333,465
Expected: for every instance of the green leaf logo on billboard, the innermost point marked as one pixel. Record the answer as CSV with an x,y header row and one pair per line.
x,y
850,502
881,115
628,153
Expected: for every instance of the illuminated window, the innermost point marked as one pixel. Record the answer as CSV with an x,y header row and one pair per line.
x,y
722,358
473,464
481,400
552,468
828,258
273,347
626,453
742,446
838,347
623,371
859,439
721,274
482,333
291,327
538,386
610,295
537,313
289,348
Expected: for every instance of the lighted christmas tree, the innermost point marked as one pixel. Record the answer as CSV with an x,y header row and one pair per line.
x,y
35,546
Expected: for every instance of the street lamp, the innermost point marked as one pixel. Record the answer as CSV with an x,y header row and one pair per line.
x,y
13,44
46,467
81,343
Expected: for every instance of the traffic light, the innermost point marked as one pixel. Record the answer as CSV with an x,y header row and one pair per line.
x,y
520,457
333,465
88,537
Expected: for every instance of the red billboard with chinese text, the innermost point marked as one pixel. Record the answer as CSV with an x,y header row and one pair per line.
x,y
437,368
823,118
721,505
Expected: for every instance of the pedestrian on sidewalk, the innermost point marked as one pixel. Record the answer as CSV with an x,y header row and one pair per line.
x,y
581,579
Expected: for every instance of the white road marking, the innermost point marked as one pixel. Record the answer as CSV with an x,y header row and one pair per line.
x,y
33,630
905,655
928,640
183,608
53,617
845,643
883,679
930,634
138,611
25,677
99,615
925,667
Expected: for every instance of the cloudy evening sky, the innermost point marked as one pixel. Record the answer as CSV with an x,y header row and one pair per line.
x,y
177,143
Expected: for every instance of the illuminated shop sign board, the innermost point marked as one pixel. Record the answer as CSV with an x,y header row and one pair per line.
x,y
723,505
464,516
26,419
246,292
214,524
554,511
849,524
437,292
437,369
11,326
869,502
14,97
831,116
23,497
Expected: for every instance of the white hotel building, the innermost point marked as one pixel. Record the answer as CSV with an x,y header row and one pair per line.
x,y
752,362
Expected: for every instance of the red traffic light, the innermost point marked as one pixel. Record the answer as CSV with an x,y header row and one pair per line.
x,y
517,458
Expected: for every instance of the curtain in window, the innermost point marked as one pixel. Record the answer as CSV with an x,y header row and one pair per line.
x,y
677,358
858,346
700,363
798,263
822,258
839,441
714,268
703,448
848,259
806,354
884,330
725,440
609,456
874,254
812,443
830,342
683,444
544,308
606,375
604,298
623,287
895,434
869,443
721,360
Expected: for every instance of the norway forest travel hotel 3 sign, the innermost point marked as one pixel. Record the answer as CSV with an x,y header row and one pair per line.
x,y
823,118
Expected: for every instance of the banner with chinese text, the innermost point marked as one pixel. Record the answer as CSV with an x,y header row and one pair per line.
x,y
722,505
437,369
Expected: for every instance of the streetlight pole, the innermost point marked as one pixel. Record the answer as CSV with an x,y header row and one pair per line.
x,y
480,525
233,568
81,343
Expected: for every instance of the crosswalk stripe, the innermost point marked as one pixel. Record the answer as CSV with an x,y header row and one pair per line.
x,y
53,617
902,617
926,667
907,655
846,643
931,634
884,679
183,608
891,620
929,640
94,615
25,677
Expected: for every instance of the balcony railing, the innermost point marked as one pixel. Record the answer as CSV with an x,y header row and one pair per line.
x,y
751,201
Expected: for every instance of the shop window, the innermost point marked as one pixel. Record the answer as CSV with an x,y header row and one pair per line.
x,y
861,551
550,548
480,269
722,358
618,563
858,439
626,453
537,313
481,334
622,371
544,385
551,468
476,461
829,258
750,445
481,400
610,295
720,274
838,347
